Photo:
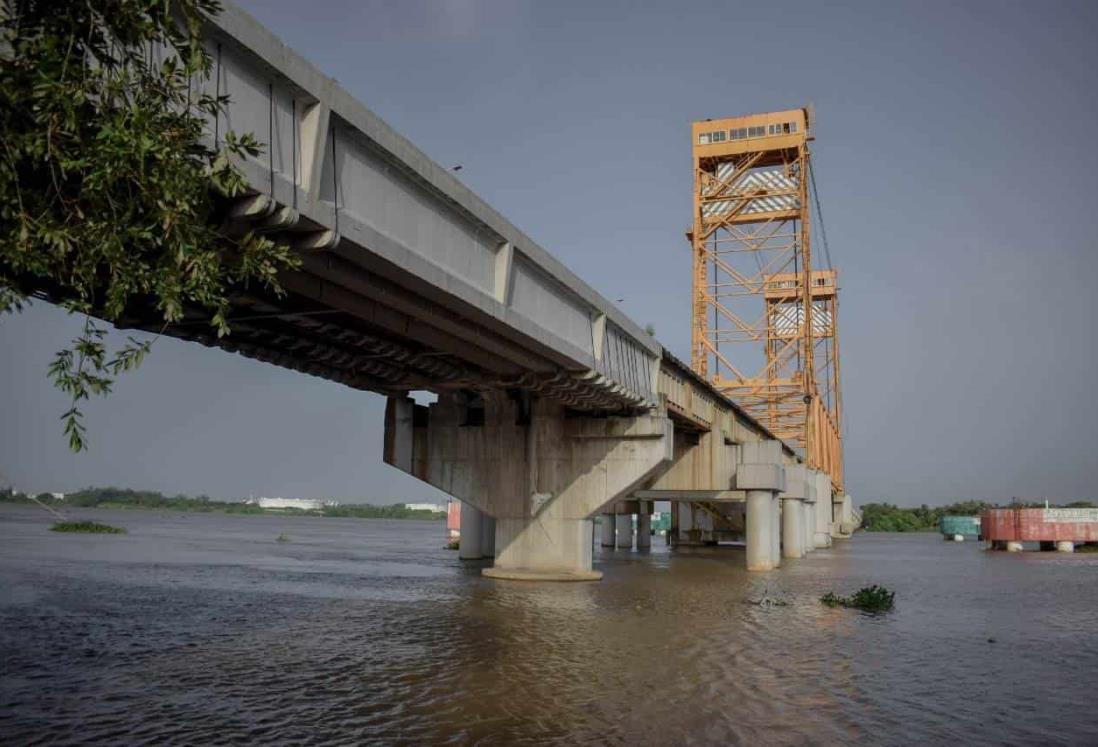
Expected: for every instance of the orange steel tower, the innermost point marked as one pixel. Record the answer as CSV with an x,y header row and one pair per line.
x,y
764,319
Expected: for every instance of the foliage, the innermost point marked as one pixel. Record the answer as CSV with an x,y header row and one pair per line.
x,y
125,498
283,538
767,602
86,527
109,195
868,599
367,511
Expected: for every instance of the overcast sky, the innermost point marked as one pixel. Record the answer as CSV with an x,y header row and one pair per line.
x,y
957,172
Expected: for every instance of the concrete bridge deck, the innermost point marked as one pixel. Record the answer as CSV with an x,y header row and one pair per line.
x,y
553,405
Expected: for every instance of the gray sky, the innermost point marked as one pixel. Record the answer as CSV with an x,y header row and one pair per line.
x,y
958,188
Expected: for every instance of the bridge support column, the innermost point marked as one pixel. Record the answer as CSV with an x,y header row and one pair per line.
x,y
469,544
793,512
606,524
846,517
542,475
822,537
792,528
644,525
776,531
809,509
623,531
487,536
760,528
761,474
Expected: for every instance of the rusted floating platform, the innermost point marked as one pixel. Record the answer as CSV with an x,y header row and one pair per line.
x,y
1064,528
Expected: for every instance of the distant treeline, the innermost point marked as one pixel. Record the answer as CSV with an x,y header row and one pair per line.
x,y
126,498
367,511
884,517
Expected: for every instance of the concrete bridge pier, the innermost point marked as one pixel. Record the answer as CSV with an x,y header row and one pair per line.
x,y
623,531
761,475
606,527
822,537
644,525
793,512
487,536
543,476
471,533
776,532
809,507
844,517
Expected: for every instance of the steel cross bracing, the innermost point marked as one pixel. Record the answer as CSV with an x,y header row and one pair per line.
x,y
765,323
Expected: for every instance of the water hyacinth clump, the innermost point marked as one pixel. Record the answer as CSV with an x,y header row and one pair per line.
x,y
868,599
86,527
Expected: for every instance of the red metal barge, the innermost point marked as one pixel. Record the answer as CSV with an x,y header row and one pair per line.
x,y
1007,528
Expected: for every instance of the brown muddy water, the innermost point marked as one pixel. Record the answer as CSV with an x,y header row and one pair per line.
x,y
203,629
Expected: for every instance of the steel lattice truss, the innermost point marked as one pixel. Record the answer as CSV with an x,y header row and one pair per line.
x,y
764,319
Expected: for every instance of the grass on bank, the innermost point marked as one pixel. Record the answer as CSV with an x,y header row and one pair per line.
x,y
868,599
86,527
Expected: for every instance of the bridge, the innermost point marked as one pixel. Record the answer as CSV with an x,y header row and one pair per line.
x,y
552,406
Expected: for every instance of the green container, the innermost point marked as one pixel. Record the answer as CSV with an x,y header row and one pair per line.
x,y
661,521
966,526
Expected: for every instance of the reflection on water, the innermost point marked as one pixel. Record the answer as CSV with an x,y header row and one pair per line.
x,y
202,628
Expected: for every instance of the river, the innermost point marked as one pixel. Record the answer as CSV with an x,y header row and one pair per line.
x,y
203,629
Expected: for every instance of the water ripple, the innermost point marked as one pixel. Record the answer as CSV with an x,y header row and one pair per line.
x,y
206,631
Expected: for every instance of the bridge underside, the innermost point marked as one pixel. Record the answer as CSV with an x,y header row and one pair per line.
x,y
356,326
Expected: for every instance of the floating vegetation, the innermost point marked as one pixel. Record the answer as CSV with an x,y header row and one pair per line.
x,y
86,527
868,599
767,602
452,545
283,538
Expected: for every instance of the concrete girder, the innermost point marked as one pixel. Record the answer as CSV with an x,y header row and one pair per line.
x,y
341,186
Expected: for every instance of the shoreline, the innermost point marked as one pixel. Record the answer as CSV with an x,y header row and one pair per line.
x,y
346,511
